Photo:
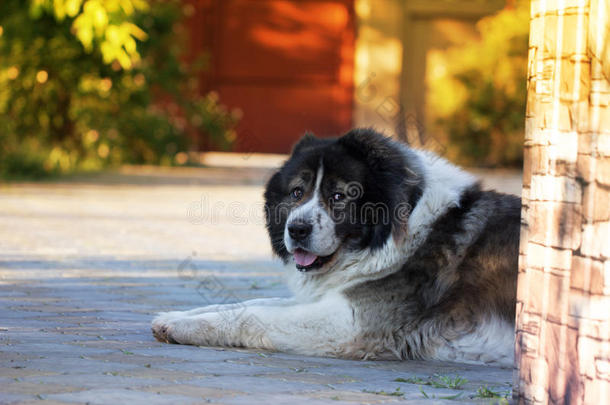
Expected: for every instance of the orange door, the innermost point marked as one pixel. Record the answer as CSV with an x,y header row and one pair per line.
x,y
288,65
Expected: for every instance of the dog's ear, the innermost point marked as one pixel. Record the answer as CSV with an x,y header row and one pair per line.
x,y
397,184
276,215
309,139
379,152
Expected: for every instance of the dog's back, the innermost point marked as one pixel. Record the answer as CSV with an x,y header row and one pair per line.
x,y
454,298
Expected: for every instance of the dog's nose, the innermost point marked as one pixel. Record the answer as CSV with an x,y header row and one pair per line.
x,y
299,230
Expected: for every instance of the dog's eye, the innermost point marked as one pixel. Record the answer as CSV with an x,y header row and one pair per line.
x,y
338,197
297,193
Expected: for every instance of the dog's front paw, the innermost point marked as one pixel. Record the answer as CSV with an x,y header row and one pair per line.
x,y
162,329
198,330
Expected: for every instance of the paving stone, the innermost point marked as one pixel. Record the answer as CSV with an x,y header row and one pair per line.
x,y
35,388
37,401
121,396
193,391
22,371
309,377
85,265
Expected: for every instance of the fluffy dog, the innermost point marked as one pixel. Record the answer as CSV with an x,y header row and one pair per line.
x,y
392,252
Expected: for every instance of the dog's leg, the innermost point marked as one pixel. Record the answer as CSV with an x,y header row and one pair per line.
x,y
253,302
227,307
322,328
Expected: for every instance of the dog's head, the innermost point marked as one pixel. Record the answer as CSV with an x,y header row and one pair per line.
x,y
336,196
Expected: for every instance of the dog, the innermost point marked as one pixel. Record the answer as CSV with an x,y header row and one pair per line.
x,y
391,252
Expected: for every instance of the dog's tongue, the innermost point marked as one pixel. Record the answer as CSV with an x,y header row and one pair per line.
x,y
304,258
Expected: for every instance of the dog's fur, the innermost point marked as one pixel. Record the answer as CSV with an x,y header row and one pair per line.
x,y
412,260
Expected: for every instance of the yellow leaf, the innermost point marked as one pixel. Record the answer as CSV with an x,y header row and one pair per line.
x,y
100,19
85,36
123,59
73,7
141,5
130,45
113,35
127,6
58,8
136,31
108,52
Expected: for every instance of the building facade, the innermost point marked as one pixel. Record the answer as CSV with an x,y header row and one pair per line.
x,y
328,65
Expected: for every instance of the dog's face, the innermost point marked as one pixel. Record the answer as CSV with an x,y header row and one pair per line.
x,y
336,196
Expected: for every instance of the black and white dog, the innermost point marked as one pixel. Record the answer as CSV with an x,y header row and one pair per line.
x,y
398,254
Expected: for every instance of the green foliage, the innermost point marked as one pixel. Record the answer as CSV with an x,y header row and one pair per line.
x,y
489,87
412,380
494,397
88,84
485,392
437,381
445,381
107,23
395,393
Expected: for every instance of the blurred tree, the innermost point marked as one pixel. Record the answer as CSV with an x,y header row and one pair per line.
x,y
87,84
486,89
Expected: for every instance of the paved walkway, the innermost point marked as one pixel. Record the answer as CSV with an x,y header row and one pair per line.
x,y
85,263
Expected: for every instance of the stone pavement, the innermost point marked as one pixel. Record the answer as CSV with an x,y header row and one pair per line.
x,y
85,263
